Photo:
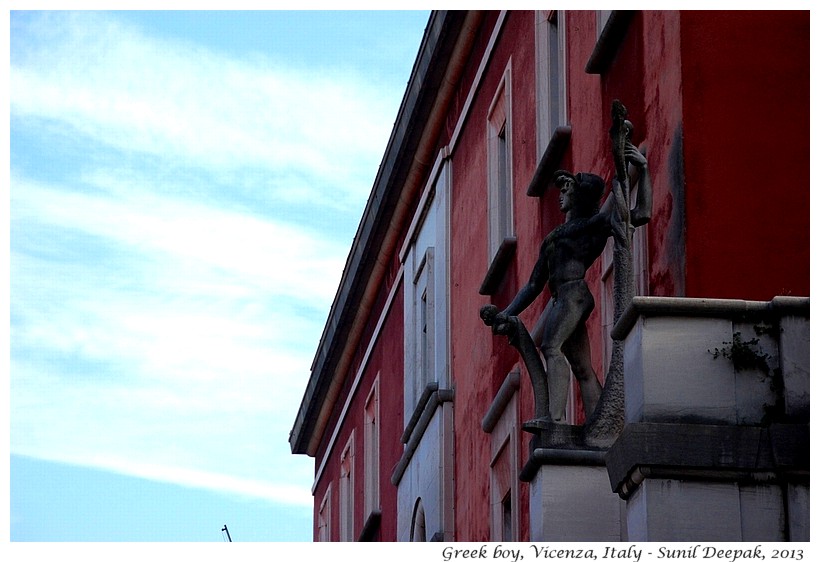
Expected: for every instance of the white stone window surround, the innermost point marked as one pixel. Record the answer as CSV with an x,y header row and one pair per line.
x,y
347,482
500,139
418,533
323,517
423,328
501,421
425,261
551,78
372,422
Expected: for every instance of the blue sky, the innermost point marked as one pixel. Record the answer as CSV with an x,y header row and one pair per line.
x,y
184,191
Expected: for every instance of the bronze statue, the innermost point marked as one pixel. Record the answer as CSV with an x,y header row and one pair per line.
x,y
565,255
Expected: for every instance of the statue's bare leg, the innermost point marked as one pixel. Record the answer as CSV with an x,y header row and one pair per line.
x,y
561,319
564,313
537,332
577,352
558,385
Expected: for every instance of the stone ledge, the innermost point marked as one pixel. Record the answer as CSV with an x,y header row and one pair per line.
x,y
715,308
428,391
548,165
502,398
609,41
713,452
371,525
498,267
434,399
572,457
559,444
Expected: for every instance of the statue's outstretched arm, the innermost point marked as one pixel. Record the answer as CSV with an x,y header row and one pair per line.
x,y
533,287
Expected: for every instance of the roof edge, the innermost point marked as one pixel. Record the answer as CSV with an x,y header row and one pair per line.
x,y
440,35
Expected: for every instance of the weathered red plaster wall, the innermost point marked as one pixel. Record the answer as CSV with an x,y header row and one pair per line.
x,y
470,348
746,153
660,119
481,361
387,361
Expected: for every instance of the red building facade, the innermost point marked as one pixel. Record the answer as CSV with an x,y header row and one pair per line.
x,y
413,410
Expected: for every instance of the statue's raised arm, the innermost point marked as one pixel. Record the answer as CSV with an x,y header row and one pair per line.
x,y
642,211
616,201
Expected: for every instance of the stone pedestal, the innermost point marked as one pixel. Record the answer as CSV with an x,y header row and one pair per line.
x,y
666,509
573,502
716,439
699,482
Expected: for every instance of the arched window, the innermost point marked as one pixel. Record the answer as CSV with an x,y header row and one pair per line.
x,y
418,531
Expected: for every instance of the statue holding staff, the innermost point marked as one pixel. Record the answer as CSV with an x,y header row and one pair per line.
x,y
563,260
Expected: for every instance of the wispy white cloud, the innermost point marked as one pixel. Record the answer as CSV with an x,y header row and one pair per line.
x,y
266,254
223,483
162,328
194,339
185,103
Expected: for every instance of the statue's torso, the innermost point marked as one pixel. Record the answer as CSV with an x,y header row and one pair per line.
x,y
571,248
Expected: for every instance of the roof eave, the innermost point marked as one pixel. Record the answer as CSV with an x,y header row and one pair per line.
x,y
428,70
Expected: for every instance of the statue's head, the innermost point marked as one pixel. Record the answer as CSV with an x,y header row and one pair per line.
x,y
580,193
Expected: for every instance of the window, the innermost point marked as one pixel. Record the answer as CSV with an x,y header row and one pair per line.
x,y
371,450
506,516
504,494
424,259
423,326
419,531
501,480
323,518
346,491
499,165
551,104
423,337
